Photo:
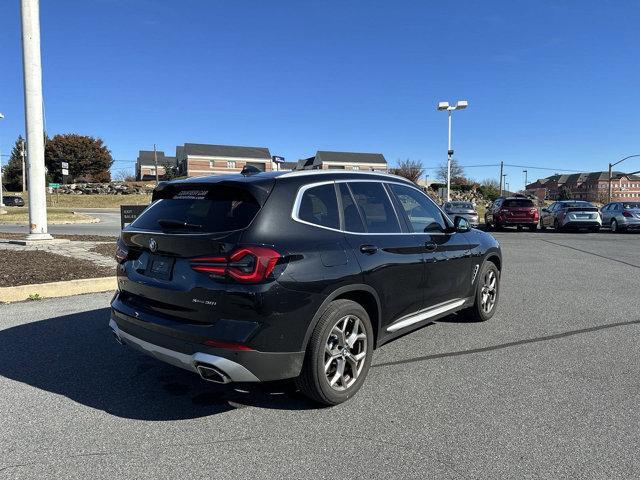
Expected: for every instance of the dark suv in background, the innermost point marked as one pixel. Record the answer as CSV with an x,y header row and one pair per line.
x,y
267,276
512,212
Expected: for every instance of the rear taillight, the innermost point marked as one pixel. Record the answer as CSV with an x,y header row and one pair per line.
x,y
121,252
246,264
227,345
627,214
534,212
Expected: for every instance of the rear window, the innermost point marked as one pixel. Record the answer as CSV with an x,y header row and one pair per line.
x,y
577,205
320,206
518,203
212,210
631,205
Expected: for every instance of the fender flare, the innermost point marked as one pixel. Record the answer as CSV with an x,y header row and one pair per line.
x,y
356,287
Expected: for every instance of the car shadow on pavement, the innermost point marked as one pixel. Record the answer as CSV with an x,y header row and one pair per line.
x,y
76,356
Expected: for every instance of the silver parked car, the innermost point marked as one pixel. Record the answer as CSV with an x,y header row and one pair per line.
x,y
621,216
571,214
462,209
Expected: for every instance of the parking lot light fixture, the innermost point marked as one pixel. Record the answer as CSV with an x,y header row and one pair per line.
x,y
445,106
611,165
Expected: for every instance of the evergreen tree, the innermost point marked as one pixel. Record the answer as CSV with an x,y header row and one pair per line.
x,y
12,173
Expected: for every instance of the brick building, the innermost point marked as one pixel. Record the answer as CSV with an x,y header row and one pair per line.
x,y
344,161
197,159
146,167
589,186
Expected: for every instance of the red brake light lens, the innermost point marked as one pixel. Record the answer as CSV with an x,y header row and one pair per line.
x,y
246,264
627,214
228,345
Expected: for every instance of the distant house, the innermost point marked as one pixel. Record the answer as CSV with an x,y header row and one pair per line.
x,y
324,160
590,186
197,159
146,164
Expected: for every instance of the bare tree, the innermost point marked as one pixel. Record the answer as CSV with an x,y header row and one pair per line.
x,y
456,170
490,182
410,169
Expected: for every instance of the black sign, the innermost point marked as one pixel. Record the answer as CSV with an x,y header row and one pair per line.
x,y
128,213
277,159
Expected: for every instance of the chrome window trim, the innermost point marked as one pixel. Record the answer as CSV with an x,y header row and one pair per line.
x,y
304,188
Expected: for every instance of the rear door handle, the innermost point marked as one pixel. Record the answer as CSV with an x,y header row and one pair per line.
x,y
368,249
430,246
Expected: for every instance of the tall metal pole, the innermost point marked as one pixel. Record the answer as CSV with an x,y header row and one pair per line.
x,y
449,153
1,199
155,162
525,180
24,170
610,186
501,170
32,70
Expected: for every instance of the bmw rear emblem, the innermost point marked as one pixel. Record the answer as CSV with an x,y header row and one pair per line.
x,y
153,245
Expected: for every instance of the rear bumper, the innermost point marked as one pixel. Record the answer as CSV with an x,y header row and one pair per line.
x,y
232,365
518,221
582,224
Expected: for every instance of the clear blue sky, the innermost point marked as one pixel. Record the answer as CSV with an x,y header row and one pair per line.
x,y
550,84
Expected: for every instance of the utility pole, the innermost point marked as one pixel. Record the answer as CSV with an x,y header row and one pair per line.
x,y
155,161
1,199
504,184
24,173
32,71
501,170
525,180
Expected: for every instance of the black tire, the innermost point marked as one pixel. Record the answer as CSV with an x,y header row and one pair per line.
x,y
556,225
313,381
595,229
533,228
615,228
477,313
542,225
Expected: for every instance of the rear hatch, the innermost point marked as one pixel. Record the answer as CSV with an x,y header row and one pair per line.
x,y
519,208
175,255
582,212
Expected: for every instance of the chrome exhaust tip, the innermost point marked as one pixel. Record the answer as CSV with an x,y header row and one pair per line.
x,y
212,374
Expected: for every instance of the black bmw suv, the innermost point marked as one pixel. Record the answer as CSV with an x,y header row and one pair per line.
x,y
267,276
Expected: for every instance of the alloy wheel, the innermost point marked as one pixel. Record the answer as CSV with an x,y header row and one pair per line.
x,y
345,352
614,226
489,291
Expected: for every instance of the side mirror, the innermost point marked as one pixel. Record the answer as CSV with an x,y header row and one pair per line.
x,y
545,210
461,224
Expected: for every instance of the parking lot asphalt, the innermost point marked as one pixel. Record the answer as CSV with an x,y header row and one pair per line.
x,y
548,388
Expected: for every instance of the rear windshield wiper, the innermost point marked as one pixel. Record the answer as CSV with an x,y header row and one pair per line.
x,y
164,222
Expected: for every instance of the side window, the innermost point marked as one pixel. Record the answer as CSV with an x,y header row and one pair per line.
x,y
375,207
352,219
320,206
423,215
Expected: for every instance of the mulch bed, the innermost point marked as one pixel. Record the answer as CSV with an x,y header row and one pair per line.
x,y
106,249
73,238
24,268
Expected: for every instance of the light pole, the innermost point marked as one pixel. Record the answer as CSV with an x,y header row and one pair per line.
x,y
503,184
611,165
1,199
460,105
32,72
525,180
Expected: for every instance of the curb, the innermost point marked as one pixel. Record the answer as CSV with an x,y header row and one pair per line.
x,y
57,289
